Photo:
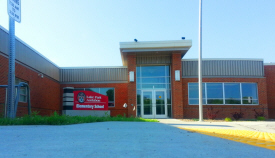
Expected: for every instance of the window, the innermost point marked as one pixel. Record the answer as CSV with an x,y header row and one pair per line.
x,y
224,93
214,93
249,93
193,93
110,92
232,93
149,77
22,92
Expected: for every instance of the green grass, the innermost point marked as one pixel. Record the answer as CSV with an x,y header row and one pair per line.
x,y
56,119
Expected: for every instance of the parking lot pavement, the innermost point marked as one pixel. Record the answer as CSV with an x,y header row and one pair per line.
x,y
118,139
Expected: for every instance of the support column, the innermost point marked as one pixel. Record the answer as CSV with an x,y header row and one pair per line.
x,y
177,103
132,91
11,82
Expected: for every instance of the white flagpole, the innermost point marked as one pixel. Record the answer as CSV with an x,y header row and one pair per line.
x,y
200,63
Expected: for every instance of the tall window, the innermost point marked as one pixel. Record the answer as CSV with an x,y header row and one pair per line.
x,y
153,77
110,92
224,93
23,91
149,77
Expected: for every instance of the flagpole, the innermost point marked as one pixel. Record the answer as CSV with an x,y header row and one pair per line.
x,y
200,64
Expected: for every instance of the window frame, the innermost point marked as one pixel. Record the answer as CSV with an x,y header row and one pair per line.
x,y
223,89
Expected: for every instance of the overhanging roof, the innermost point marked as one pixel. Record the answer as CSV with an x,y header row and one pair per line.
x,y
143,47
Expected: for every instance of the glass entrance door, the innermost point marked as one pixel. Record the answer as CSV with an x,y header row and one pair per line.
x,y
153,104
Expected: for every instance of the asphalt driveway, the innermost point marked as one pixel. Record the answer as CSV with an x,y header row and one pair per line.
x,y
118,139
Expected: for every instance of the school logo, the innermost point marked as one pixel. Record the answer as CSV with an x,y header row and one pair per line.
x,y
81,97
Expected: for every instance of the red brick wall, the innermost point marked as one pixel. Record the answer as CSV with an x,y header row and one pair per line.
x,y
45,92
132,92
121,92
192,111
270,82
177,102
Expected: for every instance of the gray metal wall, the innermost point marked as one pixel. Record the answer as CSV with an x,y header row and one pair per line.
x,y
153,59
224,68
28,56
116,74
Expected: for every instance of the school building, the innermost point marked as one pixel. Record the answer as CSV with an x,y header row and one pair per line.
x,y
154,81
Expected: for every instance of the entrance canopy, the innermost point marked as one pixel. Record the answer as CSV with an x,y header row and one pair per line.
x,y
154,47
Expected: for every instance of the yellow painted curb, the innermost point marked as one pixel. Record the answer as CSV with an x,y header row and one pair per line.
x,y
260,139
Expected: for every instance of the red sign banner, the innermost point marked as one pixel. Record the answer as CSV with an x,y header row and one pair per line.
x,y
89,100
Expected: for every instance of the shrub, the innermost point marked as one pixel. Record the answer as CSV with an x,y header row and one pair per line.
x,y
35,113
228,119
211,114
118,115
237,115
261,118
258,114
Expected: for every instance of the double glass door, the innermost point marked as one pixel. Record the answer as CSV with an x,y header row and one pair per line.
x,y
153,104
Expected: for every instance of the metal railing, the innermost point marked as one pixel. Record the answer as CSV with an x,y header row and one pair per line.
x,y
17,95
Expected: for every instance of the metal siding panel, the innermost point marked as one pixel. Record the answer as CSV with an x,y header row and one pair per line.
x,y
238,68
221,68
212,68
231,69
160,59
256,68
247,67
195,70
27,56
4,42
226,65
94,74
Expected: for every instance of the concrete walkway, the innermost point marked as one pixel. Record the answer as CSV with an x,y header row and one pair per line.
x,y
120,139
260,134
261,126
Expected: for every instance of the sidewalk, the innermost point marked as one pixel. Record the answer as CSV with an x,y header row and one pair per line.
x,y
260,126
260,134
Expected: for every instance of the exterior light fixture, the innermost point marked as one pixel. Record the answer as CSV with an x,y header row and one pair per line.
x,y
125,105
131,76
41,75
177,75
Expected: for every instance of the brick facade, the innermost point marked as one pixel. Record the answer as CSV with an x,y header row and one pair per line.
x,y
192,111
270,82
132,92
45,92
176,87
121,92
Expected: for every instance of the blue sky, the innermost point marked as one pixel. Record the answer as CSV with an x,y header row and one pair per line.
x,y
88,32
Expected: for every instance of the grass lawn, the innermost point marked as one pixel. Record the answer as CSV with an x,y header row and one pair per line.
x,y
56,119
